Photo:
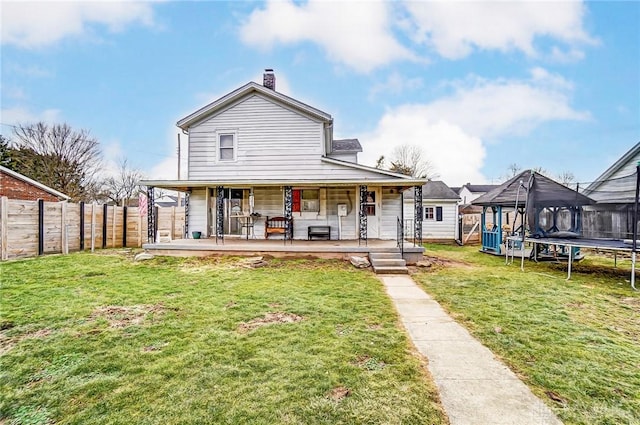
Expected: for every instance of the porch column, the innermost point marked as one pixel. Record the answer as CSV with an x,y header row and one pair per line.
x,y
288,212
219,213
186,213
418,215
362,234
151,215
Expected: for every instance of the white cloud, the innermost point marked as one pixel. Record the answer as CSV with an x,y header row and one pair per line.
x,y
453,130
491,109
20,115
357,34
456,29
38,24
457,156
395,84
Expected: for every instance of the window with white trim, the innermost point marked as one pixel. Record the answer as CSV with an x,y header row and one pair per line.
x,y
429,213
306,200
226,147
310,200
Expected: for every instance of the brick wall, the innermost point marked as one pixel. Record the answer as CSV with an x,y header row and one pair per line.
x,y
14,188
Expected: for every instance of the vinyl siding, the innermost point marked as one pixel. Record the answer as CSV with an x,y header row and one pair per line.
x,y
615,189
432,229
391,210
272,142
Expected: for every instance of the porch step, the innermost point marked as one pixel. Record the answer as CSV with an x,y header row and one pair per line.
x,y
388,262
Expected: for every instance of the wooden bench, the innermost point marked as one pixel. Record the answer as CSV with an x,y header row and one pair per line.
x,y
323,232
277,226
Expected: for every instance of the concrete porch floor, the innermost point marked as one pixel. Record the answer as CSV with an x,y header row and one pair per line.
x,y
275,247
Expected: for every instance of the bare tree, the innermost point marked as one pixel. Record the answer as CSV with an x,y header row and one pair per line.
x,y
65,159
566,178
122,187
513,170
410,160
380,162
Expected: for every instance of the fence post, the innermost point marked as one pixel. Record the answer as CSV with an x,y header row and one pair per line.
x,y
113,227
105,213
139,229
4,218
93,227
64,240
124,227
40,226
81,226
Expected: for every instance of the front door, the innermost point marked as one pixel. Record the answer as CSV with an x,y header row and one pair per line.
x,y
234,209
372,204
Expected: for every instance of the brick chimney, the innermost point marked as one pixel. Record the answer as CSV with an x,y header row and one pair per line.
x,y
269,79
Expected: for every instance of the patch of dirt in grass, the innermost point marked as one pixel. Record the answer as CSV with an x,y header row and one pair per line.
x,y
338,393
429,263
270,318
374,327
556,397
633,303
154,347
124,316
369,363
8,342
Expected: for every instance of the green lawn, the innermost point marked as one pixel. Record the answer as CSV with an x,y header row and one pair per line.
x,y
100,339
575,343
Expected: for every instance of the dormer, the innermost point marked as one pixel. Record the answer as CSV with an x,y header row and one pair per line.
x,y
345,150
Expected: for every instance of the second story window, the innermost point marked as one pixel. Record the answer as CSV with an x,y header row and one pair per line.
x,y
227,148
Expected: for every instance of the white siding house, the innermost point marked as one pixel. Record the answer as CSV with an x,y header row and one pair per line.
x,y
439,211
255,153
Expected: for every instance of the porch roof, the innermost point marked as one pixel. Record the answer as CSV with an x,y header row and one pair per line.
x,y
184,185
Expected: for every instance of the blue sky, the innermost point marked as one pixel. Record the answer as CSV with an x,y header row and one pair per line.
x,y
477,85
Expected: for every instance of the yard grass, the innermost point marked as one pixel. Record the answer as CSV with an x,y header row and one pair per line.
x,y
100,339
575,343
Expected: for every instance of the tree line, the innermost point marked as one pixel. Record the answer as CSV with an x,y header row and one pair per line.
x,y
69,161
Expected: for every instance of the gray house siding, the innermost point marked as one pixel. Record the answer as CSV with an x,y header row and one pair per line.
x,y
433,229
391,210
271,140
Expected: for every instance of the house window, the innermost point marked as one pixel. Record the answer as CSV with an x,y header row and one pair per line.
x,y
227,148
306,200
429,213
438,213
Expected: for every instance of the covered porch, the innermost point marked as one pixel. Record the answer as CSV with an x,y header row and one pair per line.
x,y
357,212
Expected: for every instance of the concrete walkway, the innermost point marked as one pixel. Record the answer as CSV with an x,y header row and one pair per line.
x,y
475,387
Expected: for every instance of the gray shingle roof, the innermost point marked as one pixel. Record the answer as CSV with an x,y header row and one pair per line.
x,y
477,188
544,192
346,145
434,189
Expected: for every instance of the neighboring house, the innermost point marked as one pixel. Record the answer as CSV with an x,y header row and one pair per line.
x,y
469,192
14,185
258,153
439,211
614,191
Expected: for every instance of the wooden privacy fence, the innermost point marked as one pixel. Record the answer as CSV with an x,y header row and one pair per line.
x,y
31,228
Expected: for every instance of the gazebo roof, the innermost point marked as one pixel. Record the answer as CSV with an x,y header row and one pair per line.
x,y
543,192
